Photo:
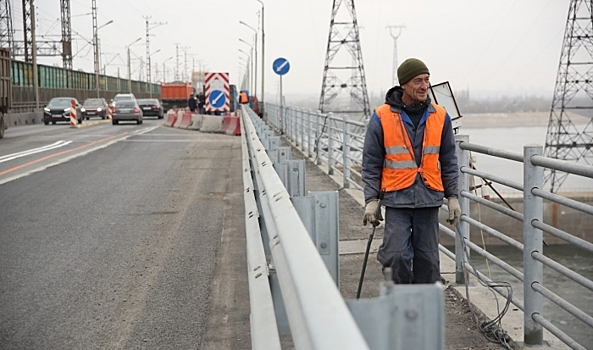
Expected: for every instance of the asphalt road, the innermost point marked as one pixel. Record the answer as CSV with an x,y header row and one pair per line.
x,y
112,237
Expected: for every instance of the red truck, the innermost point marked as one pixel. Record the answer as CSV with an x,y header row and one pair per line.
x,y
176,94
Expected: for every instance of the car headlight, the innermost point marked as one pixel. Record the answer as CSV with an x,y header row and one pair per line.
x,y
83,110
46,110
99,109
66,110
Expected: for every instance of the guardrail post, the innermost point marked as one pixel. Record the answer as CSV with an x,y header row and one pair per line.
x,y
532,240
330,144
318,137
319,212
346,151
462,228
296,127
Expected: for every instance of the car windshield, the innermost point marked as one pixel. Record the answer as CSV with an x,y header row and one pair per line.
x,y
59,102
125,104
123,98
148,102
93,103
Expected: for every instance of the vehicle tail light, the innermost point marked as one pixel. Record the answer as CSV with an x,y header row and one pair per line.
x,y
136,110
154,107
114,110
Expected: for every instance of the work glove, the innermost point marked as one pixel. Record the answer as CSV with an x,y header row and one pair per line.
x,y
372,213
454,210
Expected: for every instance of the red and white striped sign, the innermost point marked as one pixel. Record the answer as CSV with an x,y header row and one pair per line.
x,y
217,92
73,115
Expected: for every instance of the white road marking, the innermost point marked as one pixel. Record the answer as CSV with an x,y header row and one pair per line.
x,y
13,156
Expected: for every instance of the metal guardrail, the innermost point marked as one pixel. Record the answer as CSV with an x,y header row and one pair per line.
x,y
316,135
318,315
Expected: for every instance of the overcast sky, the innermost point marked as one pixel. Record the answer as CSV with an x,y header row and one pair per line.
x,y
492,48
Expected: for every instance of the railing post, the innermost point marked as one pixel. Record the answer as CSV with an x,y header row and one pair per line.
x,y
346,151
318,137
330,144
296,127
532,240
309,134
462,229
302,130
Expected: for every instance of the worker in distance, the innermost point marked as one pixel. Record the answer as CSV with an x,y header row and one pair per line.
x,y
409,160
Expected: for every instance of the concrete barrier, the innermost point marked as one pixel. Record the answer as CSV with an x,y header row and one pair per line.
x,y
185,120
28,118
179,118
212,123
171,118
196,122
231,125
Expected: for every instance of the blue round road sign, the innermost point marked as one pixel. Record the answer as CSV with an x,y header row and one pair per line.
x,y
281,66
217,98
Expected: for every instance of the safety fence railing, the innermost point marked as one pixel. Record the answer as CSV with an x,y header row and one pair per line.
x,y
305,129
299,240
334,140
318,316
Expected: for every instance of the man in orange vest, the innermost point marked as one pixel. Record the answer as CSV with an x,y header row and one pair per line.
x,y
243,98
409,154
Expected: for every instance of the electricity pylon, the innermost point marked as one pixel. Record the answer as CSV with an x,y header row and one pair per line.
x,y
573,93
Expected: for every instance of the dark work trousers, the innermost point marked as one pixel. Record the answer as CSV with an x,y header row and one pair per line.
x,y
411,245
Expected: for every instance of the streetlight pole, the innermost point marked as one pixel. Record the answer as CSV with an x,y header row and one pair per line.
x,y
96,44
130,65
148,79
251,60
165,68
263,55
255,61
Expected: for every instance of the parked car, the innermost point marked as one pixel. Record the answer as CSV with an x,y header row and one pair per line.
x,y
151,107
126,111
58,110
94,107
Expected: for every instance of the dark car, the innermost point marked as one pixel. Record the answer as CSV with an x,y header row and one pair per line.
x,y
94,107
58,110
151,107
126,110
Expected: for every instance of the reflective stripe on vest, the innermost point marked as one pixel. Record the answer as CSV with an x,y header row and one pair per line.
x,y
400,169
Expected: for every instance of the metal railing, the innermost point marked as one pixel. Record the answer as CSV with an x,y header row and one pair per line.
x,y
319,317
316,135
333,140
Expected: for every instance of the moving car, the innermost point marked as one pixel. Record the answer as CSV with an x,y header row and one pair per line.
x,y
126,110
94,107
58,110
151,107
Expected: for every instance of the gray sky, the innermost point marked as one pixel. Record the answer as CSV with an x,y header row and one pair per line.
x,y
491,47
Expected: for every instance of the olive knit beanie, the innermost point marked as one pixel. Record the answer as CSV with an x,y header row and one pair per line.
x,y
409,69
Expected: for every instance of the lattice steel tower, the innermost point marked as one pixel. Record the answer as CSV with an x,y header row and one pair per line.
x,y
573,93
6,30
67,32
344,70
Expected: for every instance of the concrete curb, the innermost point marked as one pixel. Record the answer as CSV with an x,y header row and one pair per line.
x,y
92,123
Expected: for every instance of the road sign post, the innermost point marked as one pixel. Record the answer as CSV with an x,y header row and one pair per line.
x,y
281,66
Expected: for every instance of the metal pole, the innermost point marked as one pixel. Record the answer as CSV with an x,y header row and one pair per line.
x,y
129,72
96,46
282,112
263,60
533,178
34,57
330,144
346,151
462,226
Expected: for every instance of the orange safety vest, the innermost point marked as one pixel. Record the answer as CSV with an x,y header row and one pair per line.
x,y
399,168
243,98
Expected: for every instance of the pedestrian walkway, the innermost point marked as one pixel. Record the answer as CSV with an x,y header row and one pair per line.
x,y
461,329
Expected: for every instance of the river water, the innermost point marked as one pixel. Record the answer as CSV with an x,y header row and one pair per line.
x,y
580,261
